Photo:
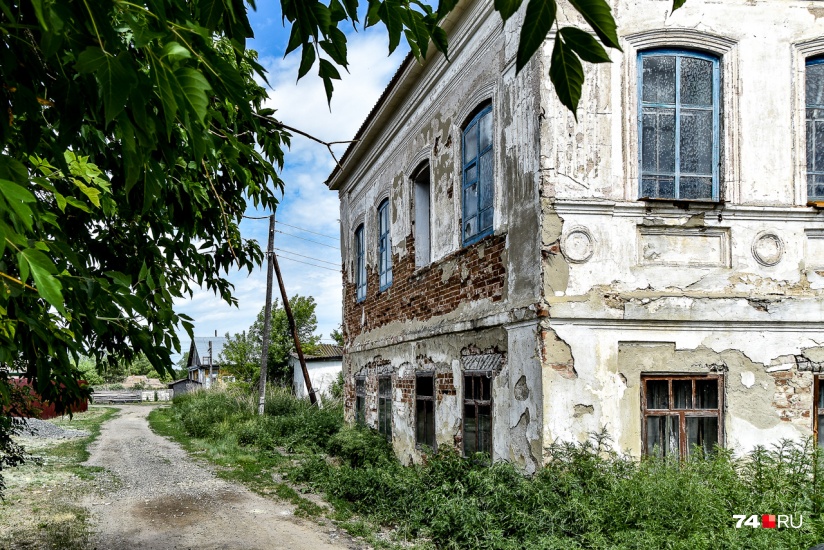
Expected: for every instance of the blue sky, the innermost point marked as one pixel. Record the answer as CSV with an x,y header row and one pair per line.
x,y
306,203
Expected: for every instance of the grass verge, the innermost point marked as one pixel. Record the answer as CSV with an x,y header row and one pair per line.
x,y
586,497
41,507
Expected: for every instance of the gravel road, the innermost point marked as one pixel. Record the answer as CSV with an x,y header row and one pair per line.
x,y
165,499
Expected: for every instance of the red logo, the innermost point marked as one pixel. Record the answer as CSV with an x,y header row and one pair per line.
x,y
768,521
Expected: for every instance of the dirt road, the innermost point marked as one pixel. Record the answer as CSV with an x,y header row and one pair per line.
x,y
164,499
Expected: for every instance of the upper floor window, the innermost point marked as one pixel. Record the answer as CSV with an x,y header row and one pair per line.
x,y
384,246
423,219
678,123
815,129
477,177
360,265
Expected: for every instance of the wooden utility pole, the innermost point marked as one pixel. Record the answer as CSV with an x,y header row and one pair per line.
x,y
293,327
267,316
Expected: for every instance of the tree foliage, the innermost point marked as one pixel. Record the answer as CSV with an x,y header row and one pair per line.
x,y
241,352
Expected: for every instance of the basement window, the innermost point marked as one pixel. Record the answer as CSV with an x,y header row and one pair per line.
x,y
360,400
385,406
477,422
425,410
681,413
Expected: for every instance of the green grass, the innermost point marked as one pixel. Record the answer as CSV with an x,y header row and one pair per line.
x,y
586,497
40,509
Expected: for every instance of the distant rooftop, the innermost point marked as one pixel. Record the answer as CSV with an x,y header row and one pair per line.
x,y
325,351
199,351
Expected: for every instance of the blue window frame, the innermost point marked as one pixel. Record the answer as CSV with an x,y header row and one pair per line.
x,y
678,124
815,129
360,265
478,184
384,246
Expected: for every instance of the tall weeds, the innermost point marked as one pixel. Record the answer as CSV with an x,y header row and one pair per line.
x,y
586,496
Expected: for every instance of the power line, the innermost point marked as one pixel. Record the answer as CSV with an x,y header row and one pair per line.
x,y
307,231
307,257
305,239
313,265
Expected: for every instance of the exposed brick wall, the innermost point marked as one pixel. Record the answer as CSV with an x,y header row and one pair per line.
x,y
793,398
423,294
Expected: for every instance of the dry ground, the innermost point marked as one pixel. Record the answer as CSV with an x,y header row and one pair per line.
x,y
165,499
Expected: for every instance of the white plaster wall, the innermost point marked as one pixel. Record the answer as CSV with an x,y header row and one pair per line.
x,y
321,373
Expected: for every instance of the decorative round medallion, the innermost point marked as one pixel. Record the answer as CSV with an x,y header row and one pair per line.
x,y
767,248
578,245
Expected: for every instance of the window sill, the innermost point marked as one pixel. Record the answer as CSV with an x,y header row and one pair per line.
x,y
683,204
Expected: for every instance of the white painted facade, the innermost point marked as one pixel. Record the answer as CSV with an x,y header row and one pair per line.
x,y
601,288
322,374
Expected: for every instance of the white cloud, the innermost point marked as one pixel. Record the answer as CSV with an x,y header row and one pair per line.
x,y
307,203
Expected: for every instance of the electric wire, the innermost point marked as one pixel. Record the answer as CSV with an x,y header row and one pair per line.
x,y
306,230
307,257
307,263
305,239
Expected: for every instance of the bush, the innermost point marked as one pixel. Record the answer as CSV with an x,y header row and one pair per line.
x,y
359,446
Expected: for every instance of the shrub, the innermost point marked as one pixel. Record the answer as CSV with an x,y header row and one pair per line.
x,y
360,446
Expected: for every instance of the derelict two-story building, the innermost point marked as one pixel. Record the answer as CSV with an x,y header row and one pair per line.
x,y
513,277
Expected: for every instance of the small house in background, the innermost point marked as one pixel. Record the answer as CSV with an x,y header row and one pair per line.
x,y
184,385
324,366
204,363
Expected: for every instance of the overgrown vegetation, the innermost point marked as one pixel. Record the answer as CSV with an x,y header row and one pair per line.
x,y
587,496
41,509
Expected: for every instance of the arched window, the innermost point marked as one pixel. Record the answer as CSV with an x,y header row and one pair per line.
x,y
815,129
678,124
360,265
384,246
478,184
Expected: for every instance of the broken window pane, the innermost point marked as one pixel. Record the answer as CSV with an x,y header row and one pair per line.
x,y
425,410
470,431
682,394
657,394
663,436
703,432
706,394
424,386
385,406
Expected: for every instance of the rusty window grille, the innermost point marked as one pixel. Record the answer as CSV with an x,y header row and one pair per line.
x,y
477,422
818,411
681,413
360,400
425,410
385,406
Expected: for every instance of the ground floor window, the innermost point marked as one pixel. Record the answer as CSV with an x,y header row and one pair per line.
x,y
425,410
818,411
385,406
477,421
681,413
360,400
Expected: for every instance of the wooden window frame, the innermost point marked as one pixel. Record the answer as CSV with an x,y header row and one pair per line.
x,y
360,400
384,247
811,199
425,399
682,414
360,265
679,54
467,165
384,400
476,403
816,411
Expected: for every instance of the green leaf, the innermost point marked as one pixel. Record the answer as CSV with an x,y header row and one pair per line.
x,y
446,6
567,75
116,81
210,13
677,4
166,92
583,44
90,59
540,15
507,8
440,41
328,72
335,46
175,52
390,13
599,16
121,278
42,271
194,87
307,59
38,12
351,9
17,197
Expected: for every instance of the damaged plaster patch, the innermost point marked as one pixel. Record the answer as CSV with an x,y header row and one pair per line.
x,y
557,354
581,410
521,389
522,446
748,379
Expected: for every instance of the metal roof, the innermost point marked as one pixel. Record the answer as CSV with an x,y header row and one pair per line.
x,y
199,350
